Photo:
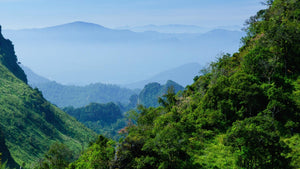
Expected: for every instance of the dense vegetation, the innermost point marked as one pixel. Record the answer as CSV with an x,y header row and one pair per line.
x,y
29,123
106,119
242,113
105,113
98,155
152,91
5,156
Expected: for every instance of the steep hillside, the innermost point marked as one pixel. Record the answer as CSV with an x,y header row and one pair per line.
x,y
30,124
9,59
5,156
33,78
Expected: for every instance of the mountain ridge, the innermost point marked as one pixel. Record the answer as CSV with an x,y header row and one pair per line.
x,y
113,56
182,75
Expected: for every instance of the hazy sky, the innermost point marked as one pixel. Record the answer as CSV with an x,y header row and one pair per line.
x,y
17,14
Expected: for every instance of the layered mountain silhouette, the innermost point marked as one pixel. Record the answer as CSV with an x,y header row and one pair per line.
x,y
84,53
182,75
77,96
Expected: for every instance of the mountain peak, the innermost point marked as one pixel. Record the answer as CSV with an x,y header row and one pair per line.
x,y
79,25
83,23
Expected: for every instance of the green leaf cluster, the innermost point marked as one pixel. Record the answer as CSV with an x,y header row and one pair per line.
x,y
99,155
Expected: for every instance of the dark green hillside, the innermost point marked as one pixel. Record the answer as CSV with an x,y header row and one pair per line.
x,y
152,91
244,112
9,59
106,113
30,124
106,119
5,156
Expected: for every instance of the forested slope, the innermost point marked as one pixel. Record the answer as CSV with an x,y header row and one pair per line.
x,y
242,113
5,156
29,123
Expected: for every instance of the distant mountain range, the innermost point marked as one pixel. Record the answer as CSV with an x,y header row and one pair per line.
x,y
183,75
177,28
78,96
171,28
34,78
84,53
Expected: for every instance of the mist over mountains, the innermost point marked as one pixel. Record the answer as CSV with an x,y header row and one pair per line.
x,y
77,96
177,28
171,28
183,75
82,53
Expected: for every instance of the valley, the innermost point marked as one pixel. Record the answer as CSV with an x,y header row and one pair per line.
x,y
169,96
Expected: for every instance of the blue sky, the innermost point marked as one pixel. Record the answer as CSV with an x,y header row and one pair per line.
x,y
17,14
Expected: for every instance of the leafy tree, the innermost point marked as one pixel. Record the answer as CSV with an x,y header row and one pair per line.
x,y
168,99
59,156
257,143
294,154
99,155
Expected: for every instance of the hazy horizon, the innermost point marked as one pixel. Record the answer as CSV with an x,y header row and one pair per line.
x,y
78,55
82,53
20,14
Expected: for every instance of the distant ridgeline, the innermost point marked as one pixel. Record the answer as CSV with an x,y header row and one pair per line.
x,y
79,96
29,124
